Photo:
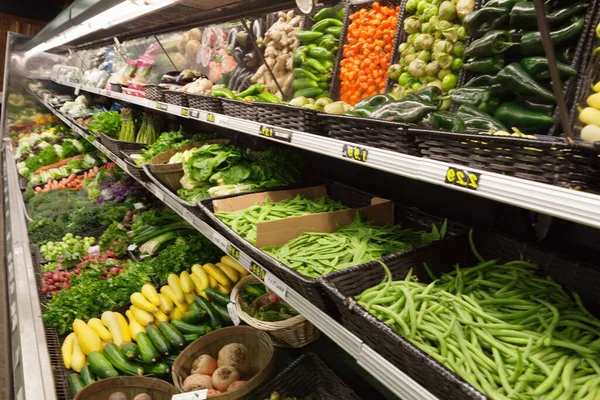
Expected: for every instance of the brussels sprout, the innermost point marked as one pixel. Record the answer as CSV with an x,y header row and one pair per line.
x,y
438,35
447,11
402,47
404,79
410,58
461,33
443,46
421,7
445,60
412,37
412,24
443,73
426,27
432,68
417,68
407,51
458,50
430,11
464,7
411,6
424,55
443,25
433,21
424,41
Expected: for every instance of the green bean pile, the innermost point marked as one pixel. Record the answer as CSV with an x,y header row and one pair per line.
x,y
243,222
506,331
315,254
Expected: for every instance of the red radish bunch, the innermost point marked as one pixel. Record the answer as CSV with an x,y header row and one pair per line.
x,y
56,281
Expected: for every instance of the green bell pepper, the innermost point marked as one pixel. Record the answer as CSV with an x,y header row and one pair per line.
x,y
480,98
531,42
514,78
525,120
486,65
538,68
445,121
478,23
489,45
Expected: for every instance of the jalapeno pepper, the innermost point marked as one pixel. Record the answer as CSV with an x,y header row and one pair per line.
x,y
477,23
514,78
486,65
526,120
531,42
490,44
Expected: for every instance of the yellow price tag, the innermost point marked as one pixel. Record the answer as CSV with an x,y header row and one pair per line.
x,y
463,178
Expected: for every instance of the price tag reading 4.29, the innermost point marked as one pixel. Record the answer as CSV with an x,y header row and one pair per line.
x,y
463,178
355,153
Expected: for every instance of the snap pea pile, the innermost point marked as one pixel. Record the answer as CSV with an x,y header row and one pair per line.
x,y
502,328
314,254
243,222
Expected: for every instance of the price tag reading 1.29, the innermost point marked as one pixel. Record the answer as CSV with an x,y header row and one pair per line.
x,y
463,178
355,153
233,251
258,271
210,117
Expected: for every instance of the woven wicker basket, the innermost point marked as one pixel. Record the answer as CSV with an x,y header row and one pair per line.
x,y
260,348
130,385
295,332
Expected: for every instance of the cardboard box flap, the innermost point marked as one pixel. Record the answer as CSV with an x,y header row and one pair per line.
x,y
276,233
243,202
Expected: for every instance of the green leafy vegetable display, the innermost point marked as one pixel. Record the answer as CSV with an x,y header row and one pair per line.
x,y
243,222
170,140
108,122
115,238
315,254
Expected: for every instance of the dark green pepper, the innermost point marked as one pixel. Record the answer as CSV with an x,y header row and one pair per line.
x,y
316,65
412,111
566,54
320,53
328,42
303,83
326,23
480,98
531,42
374,101
514,78
507,4
525,120
334,30
478,23
447,122
537,67
482,81
302,73
364,112
299,57
308,36
523,17
253,90
327,12
430,95
477,121
490,44
547,109
486,65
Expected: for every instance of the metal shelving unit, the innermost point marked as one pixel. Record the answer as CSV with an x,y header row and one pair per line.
x,y
388,375
572,205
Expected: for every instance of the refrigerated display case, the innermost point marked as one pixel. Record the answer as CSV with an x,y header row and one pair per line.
x,y
529,197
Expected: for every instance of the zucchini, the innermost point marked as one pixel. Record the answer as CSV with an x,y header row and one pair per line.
x,y
159,342
75,384
170,359
215,321
191,329
100,366
223,314
147,350
172,335
190,337
130,350
255,290
86,375
193,316
114,356
158,369
217,297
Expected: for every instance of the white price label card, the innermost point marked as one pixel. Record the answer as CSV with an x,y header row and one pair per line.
x,y
195,114
139,206
276,285
235,318
158,193
132,247
221,120
77,89
219,240
196,395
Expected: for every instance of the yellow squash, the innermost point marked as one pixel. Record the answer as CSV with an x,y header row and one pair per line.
x,y
186,282
67,349
151,294
86,337
78,359
100,329
110,321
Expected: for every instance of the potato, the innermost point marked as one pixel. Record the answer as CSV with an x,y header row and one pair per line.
x,y
234,385
117,396
204,365
213,392
196,34
235,355
197,382
224,376
142,396
182,42
191,48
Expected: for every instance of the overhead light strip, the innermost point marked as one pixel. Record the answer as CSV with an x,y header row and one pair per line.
x,y
119,14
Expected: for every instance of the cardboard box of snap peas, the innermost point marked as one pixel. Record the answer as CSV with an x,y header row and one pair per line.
x,y
302,235
504,318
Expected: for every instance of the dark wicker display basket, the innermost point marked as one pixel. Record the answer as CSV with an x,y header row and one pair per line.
x,y
310,288
205,103
134,170
290,117
154,179
154,92
239,109
386,135
177,98
306,377
441,257
117,146
547,159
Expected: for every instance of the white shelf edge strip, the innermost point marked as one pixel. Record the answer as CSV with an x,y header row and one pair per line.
x,y
572,205
391,377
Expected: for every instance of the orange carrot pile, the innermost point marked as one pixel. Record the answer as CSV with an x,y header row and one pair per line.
x,y
368,52
73,182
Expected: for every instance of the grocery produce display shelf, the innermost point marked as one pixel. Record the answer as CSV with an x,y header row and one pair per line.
x,y
572,205
391,377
